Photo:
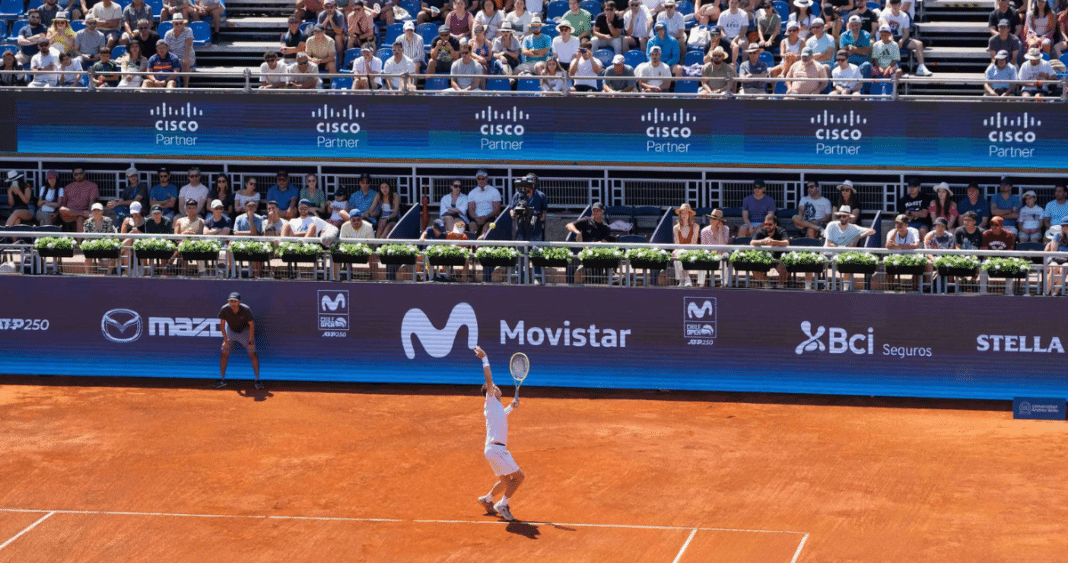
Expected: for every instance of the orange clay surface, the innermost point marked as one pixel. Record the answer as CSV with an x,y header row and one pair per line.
x,y
173,471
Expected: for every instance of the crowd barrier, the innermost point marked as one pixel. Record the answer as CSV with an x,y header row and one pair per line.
x,y
695,339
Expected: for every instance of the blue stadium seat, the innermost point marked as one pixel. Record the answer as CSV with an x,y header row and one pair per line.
x,y
635,57
604,56
350,56
555,9
528,85
305,28
685,7
693,57
742,240
392,33
875,6
78,25
767,58
550,31
780,88
157,7
882,88
805,241
34,4
13,35
341,83
632,239
384,54
161,29
413,8
201,33
1064,59
591,6
12,48
10,9
687,86
623,212
435,83
784,11
815,9
118,51
498,85
428,32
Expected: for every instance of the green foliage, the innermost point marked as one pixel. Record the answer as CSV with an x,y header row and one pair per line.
x,y
699,255
657,255
550,253
751,257
957,261
353,249
198,245
905,260
56,243
856,258
601,253
447,251
799,257
146,244
300,248
1007,266
397,250
497,252
251,247
101,244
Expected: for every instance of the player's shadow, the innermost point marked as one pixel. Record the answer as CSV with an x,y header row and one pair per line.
x,y
258,395
529,531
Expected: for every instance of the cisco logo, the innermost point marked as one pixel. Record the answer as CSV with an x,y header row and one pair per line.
x,y
337,120
668,125
182,118
502,123
699,320
838,127
1011,130
438,343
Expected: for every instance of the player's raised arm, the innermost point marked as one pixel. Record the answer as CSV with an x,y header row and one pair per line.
x,y
486,371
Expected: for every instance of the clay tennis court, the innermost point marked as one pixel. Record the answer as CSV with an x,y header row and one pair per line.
x,y
170,470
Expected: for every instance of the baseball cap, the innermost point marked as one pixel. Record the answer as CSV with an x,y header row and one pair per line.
x,y
131,171
619,59
1002,55
941,221
439,224
716,30
163,170
855,19
914,182
807,52
409,25
758,183
53,174
817,21
216,204
304,202
157,209
654,49
598,205
357,213
135,207
883,28
443,29
481,172
97,206
191,201
161,42
793,25
1064,220
318,27
1005,180
235,296
1003,22
1030,193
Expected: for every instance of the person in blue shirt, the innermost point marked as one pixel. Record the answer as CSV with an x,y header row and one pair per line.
x,y
248,223
975,202
536,47
285,195
1006,204
163,66
164,194
669,47
857,43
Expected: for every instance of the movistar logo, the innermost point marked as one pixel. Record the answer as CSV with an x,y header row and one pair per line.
x,y
333,304
438,343
694,311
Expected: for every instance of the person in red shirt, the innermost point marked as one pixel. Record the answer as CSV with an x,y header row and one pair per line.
x,y
78,197
996,237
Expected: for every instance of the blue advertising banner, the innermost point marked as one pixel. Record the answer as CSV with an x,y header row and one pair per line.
x,y
836,343
1038,408
566,131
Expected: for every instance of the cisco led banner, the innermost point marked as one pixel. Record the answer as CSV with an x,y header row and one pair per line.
x,y
568,131
839,343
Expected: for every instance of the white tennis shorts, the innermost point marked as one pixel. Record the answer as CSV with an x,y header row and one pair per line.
x,y
500,460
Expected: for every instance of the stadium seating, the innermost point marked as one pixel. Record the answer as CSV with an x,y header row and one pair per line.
x,y
157,7
118,51
693,57
604,56
384,54
436,83
742,240
428,32
806,242
554,10
633,239
201,33
591,6
162,29
784,11
498,85
413,8
687,86
392,33
767,58
350,56
685,7
10,9
635,57
528,85
78,25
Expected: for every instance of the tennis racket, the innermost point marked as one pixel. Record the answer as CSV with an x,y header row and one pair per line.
x,y
519,365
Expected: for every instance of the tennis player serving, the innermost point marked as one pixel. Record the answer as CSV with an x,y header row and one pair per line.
x,y
508,473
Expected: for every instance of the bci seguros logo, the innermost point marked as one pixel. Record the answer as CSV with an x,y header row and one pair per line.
x,y
840,341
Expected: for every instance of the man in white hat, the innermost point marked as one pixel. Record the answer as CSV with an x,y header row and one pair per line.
x,y
1036,70
615,77
483,203
820,42
998,76
135,191
843,233
413,46
180,40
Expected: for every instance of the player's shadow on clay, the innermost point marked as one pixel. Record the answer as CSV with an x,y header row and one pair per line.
x,y
529,531
258,395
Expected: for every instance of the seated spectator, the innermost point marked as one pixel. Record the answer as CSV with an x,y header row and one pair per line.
x,y
436,231
482,51
585,69
47,11
9,64
813,212
520,18
303,75
386,207
313,194
1057,209
180,40
49,196
1004,10
716,39
1030,220
806,68
333,22
247,193
845,76
847,197
217,222
718,75
822,44
769,233
608,29
968,237
754,207
903,236
389,13
999,76
900,23
105,73
885,55
768,25
194,190
143,36
78,196
61,35
716,233
248,223
1039,72
108,15
310,225
734,21
554,77
163,66
44,60
133,14
322,51
565,46
652,72
707,10
1006,204
87,43
412,45
675,22
293,40
942,205
337,205
285,195
19,197
753,67
1040,25
579,20
939,237
466,65
191,223
97,222
685,232
997,237
975,202
222,192
132,62
789,50
29,37
164,194
669,48
490,18
443,51
459,20
1004,40
172,8
506,49
1058,243
484,203
355,228
135,191
133,224
616,76
802,16
454,205
273,74
363,197
157,224
309,9
843,232
274,223
637,26
399,63
856,43
366,70
916,206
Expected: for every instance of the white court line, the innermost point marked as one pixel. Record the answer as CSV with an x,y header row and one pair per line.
x,y
685,545
799,548
395,520
28,528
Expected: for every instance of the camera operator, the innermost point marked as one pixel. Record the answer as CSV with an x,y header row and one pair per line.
x,y
528,205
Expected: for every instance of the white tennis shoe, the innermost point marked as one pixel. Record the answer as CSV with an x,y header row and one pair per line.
x,y
503,510
487,503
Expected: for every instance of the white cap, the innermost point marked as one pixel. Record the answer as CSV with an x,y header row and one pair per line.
x,y
883,28
131,171
216,203
817,21
619,59
135,207
97,206
409,25
855,19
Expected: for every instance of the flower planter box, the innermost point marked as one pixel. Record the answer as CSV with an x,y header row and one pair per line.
x,y
497,262
806,268
1006,275
101,254
701,265
549,262
948,271
905,270
252,256
601,263
200,255
350,258
446,260
400,260
154,254
55,252
866,269
302,258
752,266
648,265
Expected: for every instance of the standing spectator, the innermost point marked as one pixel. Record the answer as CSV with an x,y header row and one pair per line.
x,y
49,196
902,236
453,205
843,232
217,222
968,237
719,75
685,233
285,195
322,51
637,22
974,201
466,65
87,43
399,63
847,198
105,73
164,194
806,68
520,18
753,67
901,26
916,206
135,191
1057,209
585,69
651,72
143,36
565,46
821,43
180,40
163,66
108,15
1039,72
132,16
619,77
78,196
942,205
191,223
30,37
273,73
997,237
1005,11
1006,205
608,29
755,208
1004,41
293,40
939,238
483,203
412,43
813,212
194,190
367,70
1030,220
845,76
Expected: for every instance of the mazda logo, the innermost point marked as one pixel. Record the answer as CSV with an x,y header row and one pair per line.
x,y
121,325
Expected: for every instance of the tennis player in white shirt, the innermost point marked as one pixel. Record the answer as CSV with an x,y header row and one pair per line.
x,y
508,473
